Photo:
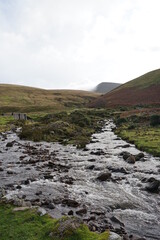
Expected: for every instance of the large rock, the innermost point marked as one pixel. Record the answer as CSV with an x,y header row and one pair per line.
x,y
139,156
10,144
114,236
125,154
153,186
104,176
131,159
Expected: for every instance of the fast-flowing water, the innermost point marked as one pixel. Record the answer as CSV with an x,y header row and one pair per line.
x,y
52,175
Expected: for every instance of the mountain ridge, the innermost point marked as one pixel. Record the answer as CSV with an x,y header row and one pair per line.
x,y
105,87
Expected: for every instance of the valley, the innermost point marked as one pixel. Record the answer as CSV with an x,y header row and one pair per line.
x,y
81,166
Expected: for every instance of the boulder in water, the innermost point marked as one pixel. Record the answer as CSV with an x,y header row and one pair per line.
x,y
153,186
104,176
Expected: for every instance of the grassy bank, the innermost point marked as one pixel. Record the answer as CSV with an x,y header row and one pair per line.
x,y
5,123
68,127
142,131
28,225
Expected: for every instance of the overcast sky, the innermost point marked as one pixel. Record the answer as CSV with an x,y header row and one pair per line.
x,y
77,44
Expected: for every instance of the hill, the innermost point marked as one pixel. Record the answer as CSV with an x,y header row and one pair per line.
x,y
106,87
27,99
144,90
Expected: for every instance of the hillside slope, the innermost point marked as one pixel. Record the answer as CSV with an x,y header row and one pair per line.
x,y
106,87
26,99
144,90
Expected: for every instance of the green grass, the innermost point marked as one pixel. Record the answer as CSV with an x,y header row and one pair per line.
x,y
145,137
15,98
28,225
67,127
5,122
145,80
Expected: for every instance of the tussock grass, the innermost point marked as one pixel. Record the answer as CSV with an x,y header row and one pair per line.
x,y
28,225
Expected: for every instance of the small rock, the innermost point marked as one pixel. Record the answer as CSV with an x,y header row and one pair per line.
x,y
139,156
104,176
91,167
116,220
131,159
125,155
98,152
70,203
41,211
10,144
51,206
153,186
114,236
81,211
10,172
70,213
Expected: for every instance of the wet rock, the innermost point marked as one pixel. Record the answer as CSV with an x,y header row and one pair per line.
x,y
91,160
18,187
118,170
98,213
26,182
104,176
91,167
139,156
153,186
81,211
70,203
98,152
123,146
10,171
114,236
38,193
1,169
125,155
51,206
41,211
48,177
70,213
116,220
67,180
131,159
85,149
10,144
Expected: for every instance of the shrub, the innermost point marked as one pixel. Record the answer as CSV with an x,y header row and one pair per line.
x,y
155,120
79,119
119,121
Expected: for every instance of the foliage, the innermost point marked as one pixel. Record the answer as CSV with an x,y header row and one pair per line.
x,y
74,127
144,136
28,225
155,120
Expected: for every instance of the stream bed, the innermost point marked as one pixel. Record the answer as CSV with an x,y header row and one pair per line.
x,y
65,181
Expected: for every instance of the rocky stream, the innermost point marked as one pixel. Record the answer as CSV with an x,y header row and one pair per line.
x,y
109,184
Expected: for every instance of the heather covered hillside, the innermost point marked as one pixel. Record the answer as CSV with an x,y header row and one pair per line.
x,y
144,90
